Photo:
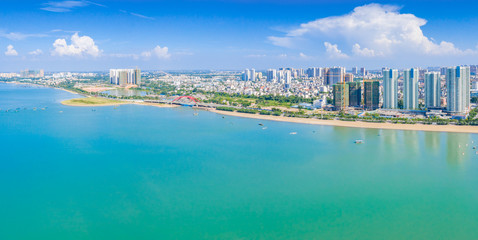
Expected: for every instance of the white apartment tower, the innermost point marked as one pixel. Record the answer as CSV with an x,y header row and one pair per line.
x,y
458,89
410,89
432,90
390,86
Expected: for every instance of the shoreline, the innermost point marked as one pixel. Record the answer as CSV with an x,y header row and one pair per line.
x,y
337,123
354,124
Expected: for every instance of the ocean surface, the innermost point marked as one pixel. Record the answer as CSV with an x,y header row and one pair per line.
x,y
142,172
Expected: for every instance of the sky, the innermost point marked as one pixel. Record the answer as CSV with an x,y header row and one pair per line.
x,y
80,35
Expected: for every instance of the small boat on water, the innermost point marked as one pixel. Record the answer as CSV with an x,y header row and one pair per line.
x,y
358,141
260,124
293,133
264,128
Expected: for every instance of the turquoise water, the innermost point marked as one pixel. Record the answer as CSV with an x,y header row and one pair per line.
x,y
141,172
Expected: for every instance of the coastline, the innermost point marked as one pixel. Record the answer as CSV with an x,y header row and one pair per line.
x,y
355,124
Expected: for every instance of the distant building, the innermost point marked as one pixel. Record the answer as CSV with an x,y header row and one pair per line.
x,y
246,75
125,76
32,73
271,75
432,90
390,88
287,77
341,96
355,94
253,75
363,72
354,71
458,89
335,75
410,89
312,72
371,94
349,77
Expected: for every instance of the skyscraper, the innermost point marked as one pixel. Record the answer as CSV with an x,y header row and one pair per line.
x,y
371,95
341,96
253,75
246,75
335,75
390,86
458,89
271,75
354,70
125,76
432,90
355,94
410,89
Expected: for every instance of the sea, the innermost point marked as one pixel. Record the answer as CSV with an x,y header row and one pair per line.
x,y
143,172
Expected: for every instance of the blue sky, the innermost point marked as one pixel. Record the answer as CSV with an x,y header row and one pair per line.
x,y
194,34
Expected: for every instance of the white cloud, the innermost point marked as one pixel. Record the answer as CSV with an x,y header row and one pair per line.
x,y
333,51
80,46
11,51
36,52
67,6
159,52
20,36
370,30
364,52
302,55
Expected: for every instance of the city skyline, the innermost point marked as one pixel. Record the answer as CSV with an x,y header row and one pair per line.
x,y
233,35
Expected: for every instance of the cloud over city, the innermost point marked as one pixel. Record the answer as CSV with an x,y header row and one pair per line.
x,y
80,46
371,30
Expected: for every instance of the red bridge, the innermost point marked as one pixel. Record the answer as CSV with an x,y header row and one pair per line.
x,y
196,101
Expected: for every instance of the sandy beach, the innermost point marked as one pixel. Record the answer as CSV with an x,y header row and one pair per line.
x,y
356,124
157,104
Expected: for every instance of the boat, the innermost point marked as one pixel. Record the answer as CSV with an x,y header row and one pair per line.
x,y
293,133
264,128
260,124
358,141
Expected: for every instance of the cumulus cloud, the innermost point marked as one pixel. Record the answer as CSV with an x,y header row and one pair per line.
x,y
333,51
36,52
370,30
159,52
11,51
364,52
80,46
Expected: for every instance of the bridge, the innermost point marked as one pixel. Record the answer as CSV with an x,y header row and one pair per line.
x,y
176,101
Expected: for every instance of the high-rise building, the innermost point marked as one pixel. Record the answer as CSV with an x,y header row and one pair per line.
x,y
349,77
271,75
280,76
125,76
246,75
335,75
390,86
371,95
458,89
432,90
355,94
253,75
287,77
363,72
311,72
318,72
341,96
410,89
354,71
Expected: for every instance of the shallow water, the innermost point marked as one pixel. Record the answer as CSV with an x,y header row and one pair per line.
x,y
141,172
